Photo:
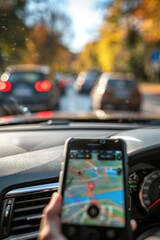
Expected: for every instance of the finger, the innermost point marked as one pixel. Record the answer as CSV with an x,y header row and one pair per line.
x,y
152,238
54,206
133,224
51,213
50,228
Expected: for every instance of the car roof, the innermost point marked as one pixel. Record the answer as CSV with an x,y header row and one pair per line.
x,y
82,73
119,75
27,68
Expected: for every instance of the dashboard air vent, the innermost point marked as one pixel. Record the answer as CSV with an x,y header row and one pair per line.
x,y
22,209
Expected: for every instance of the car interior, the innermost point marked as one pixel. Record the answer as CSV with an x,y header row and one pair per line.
x,y
72,38
31,157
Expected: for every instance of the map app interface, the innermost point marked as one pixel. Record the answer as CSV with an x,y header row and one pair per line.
x,y
94,190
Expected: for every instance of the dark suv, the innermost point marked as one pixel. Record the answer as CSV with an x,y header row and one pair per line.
x,y
86,80
31,86
116,91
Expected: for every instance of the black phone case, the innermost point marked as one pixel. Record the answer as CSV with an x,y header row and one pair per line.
x,y
84,232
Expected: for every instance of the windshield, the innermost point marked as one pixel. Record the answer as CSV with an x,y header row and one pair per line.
x,y
113,83
88,47
31,77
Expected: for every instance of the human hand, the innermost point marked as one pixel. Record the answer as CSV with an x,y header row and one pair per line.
x,y
50,227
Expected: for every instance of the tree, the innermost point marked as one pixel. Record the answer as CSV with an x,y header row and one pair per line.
x,y
88,58
32,32
124,44
108,46
12,31
146,20
147,16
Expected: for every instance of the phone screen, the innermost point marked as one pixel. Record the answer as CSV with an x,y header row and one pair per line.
x,y
94,188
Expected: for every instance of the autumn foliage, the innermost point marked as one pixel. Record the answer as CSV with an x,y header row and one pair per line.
x,y
127,38
129,34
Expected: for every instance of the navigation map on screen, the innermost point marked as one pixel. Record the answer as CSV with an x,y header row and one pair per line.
x,y
94,193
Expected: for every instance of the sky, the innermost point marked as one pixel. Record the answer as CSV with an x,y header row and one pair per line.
x,y
86,20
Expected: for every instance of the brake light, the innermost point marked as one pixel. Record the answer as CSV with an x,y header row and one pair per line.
x,y
61,83
43,86
5,86
137,93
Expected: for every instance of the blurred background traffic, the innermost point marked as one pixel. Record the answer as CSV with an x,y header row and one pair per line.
x,y
76,56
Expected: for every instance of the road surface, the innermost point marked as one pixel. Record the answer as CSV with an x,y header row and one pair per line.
x,y
76,102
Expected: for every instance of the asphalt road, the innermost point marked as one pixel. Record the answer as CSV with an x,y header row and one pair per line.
x,y
151,103
75,102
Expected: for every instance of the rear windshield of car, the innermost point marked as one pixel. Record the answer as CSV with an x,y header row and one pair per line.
x,y
92,76
115,83
30,77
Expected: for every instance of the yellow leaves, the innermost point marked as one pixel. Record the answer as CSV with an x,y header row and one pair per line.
x,y
40,33
151,6
109,45
111,36
31,55
105,56
124,37
88,57
149,32
149,24
30,46
103,52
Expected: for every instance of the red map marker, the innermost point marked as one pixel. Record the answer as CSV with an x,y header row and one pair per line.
x,y
91,185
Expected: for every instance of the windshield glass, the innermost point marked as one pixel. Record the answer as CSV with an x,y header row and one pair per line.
x,y
113,83
31,77
79,42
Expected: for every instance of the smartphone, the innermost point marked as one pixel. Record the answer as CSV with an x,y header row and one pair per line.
x,y
94,187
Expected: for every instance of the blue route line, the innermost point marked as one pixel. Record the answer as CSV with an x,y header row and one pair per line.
x,y
116,196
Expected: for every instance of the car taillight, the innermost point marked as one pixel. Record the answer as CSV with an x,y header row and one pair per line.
x,y
137,93
61,83
5,86
43,86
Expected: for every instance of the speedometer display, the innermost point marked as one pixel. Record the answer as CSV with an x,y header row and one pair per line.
x,y
150,190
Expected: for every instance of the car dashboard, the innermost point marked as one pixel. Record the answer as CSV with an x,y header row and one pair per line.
x,y
30,162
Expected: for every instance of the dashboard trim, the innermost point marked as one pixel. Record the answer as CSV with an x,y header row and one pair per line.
x,y
31,189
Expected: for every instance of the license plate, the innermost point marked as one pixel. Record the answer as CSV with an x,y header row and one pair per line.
x,y
22,91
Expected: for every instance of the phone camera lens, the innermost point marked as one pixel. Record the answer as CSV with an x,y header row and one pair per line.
x,y
102,141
